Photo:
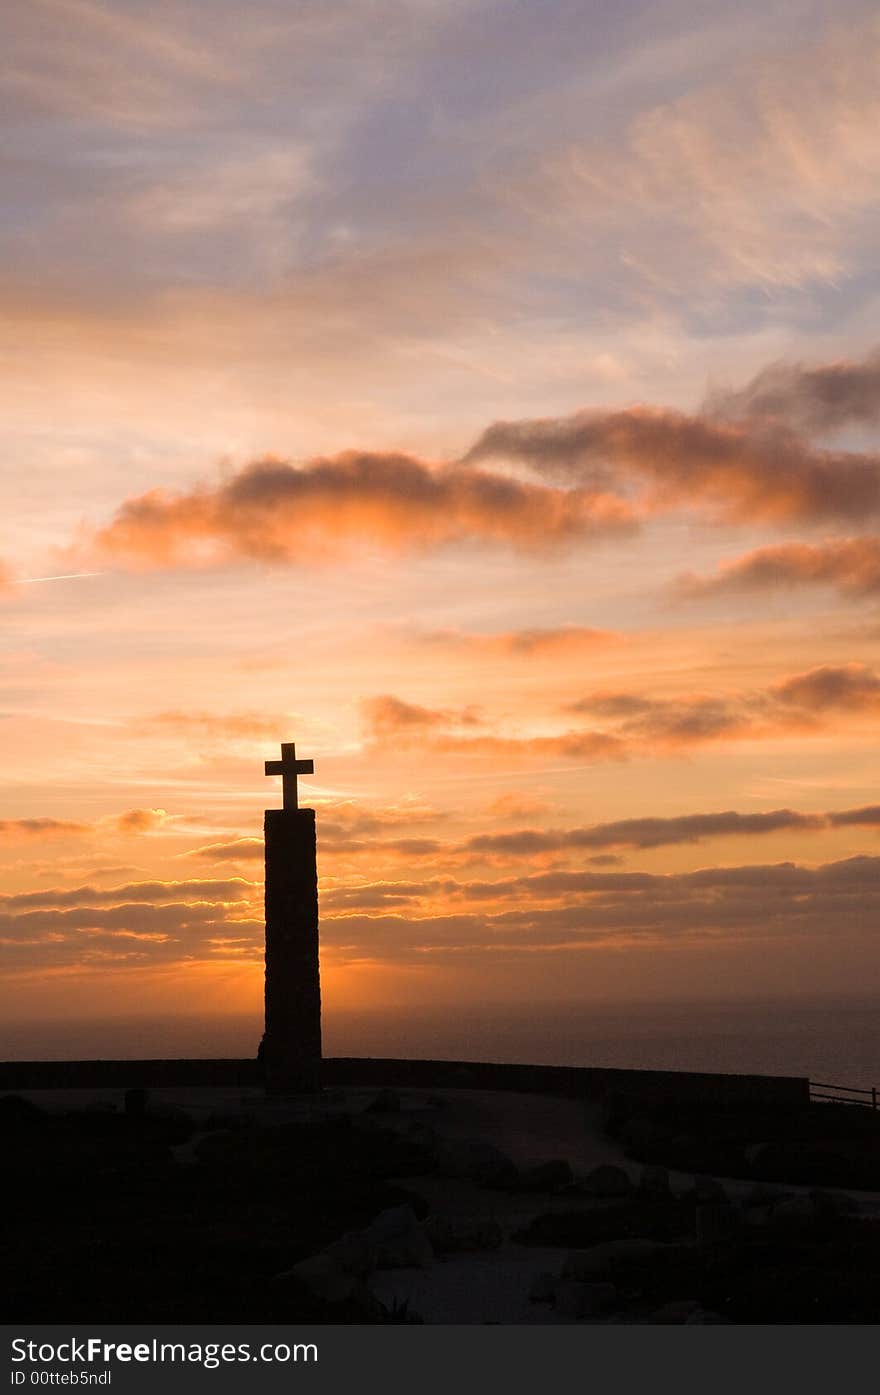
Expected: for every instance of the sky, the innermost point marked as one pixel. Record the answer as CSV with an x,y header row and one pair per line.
x,y
486,397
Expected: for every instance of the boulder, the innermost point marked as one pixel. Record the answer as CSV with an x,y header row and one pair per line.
x,y
581,1300
793,1215
756,1217
543,1287
386,1102
549,1176
676,1313
397,1240
654,1180
833,1203
321,1276
762,1194
136,1101
600,1261
709,1189
450,1235
353,1254
477,1159
606,1180
716,1221
704,1317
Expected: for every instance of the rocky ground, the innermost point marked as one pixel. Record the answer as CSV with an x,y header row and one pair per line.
x,y
463,1206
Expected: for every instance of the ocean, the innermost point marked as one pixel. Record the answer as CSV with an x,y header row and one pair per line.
x,y
836,1041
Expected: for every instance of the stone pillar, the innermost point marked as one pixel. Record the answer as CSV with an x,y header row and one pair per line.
x,y
291,1049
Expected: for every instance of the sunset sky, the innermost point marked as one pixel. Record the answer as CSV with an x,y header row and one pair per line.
x,y
486,397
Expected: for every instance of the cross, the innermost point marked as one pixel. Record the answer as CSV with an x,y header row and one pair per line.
x,y
288,767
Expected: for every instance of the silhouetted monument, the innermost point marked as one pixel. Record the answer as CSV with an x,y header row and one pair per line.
x,y
291,1047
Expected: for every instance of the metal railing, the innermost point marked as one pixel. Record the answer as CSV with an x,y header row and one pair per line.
x,y
843,1094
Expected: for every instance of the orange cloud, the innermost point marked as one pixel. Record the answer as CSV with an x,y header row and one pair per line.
x,y
141,820
852,565
231,890
220,726
737,471
279,512
41,828
845,688
644,832
743,458
565,639
388,716
232,850
392,723
346,819
762,902
633,724
793,704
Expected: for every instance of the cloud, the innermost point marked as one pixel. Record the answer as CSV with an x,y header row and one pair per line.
x,y
277,512
845,688
379,894
141,820
601,473
387,716
764,177
130,934
645,832
556,642
344,820
852,565
219,726
825,397
234,889
516,806
231,850
688,720
794,704
763,902
637,834
868,816
637,725
41,828
736,472
392,724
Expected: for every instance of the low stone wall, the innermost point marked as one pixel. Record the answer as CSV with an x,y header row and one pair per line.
x,y
595,1082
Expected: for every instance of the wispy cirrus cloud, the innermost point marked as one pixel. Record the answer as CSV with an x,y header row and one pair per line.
x,y
763,176
550,641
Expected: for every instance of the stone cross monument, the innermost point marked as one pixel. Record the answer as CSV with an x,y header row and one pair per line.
x,y
291,1048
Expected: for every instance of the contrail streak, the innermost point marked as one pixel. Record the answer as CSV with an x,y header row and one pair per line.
x,y
66,576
